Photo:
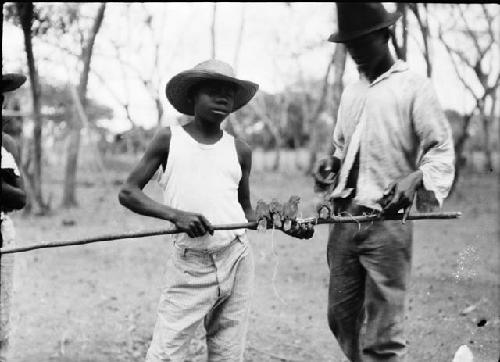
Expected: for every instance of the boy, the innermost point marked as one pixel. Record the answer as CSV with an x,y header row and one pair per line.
x,y
391,141
13,198
205,181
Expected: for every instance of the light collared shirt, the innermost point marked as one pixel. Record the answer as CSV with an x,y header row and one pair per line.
x,y
398,126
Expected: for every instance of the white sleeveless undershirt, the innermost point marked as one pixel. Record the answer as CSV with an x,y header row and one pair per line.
x,y
204,179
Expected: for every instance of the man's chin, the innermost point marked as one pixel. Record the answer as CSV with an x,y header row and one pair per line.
x,y
216,119
363,67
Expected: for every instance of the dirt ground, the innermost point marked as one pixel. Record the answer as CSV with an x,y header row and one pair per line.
x,y
97,302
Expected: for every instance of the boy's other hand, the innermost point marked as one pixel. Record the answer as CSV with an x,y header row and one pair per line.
x,y
195,225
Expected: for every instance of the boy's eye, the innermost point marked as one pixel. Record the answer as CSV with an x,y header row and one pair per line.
x,y
220,91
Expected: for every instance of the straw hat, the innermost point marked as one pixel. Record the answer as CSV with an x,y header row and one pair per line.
x,y
12,81
177,89
357,19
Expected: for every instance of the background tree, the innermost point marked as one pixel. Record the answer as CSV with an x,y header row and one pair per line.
x,y
25,14
473,58
420,13
133,52
337,62
399,32
75,34
212,31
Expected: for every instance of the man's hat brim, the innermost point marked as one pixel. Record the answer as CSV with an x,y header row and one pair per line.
x,y
177,89
12,81
342,37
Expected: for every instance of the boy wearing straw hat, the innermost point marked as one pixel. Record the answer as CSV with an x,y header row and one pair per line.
x,y
13,198
392,142
205,180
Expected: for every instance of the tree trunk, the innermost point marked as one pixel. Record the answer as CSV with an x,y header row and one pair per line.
x,y
460,159
212,29
338,83
283,120
488,163
25,12
424,30
401,7
237,51
487,122
69,193
296,143
338,59
425,37
159,110
277,152
314,145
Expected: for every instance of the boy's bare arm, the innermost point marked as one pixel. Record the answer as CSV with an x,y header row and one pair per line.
x,y
132,197
245,160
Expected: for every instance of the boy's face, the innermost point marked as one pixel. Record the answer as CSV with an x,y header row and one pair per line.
x,y
367,50
213,100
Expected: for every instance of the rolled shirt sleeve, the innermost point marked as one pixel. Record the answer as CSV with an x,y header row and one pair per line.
x,y
437,160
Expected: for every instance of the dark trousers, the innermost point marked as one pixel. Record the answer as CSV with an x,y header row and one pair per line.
x,y
369,274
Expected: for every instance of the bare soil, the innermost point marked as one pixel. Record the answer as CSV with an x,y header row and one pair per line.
x,y
97,302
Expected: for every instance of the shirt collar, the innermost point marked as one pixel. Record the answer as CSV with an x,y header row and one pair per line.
x,y
398,66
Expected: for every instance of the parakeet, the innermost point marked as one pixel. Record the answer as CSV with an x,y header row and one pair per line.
x,y
276,210
324,209
262,215
290,211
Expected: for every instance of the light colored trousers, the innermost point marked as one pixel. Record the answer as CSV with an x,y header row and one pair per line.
x,y
6,279
211,288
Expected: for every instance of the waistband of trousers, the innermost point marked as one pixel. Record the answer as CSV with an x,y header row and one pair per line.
x,y
348,205
207,252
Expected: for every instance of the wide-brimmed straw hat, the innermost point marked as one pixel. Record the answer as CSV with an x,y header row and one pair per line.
x,y
12,81
357,19
177,89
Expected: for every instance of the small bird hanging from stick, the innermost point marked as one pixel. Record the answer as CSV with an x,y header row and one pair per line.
x,y
276,210
324,209
290,211
262,215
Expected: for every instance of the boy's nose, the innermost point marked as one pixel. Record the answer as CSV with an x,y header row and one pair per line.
x,y
222,99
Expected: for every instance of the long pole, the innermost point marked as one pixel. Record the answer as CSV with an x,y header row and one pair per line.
x,y
249,225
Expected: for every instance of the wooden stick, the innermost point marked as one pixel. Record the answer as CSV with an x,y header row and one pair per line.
x,y
250,225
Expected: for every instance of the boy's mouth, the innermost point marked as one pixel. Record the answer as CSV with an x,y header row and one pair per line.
x,y
220,112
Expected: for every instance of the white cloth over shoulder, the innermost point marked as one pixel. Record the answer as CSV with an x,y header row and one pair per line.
x,y
8,231
8,162
403,129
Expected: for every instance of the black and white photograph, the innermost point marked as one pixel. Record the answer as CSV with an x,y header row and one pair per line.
x,y
250,182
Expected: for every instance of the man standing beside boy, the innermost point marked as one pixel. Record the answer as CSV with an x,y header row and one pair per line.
x,y
392,144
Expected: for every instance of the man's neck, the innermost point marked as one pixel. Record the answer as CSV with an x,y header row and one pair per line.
x,y
380,68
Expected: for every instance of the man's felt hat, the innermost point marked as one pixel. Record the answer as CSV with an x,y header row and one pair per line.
x,y
357,19
12,81
177,89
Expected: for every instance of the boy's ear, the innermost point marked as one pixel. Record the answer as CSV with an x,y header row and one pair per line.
x,y
191,94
